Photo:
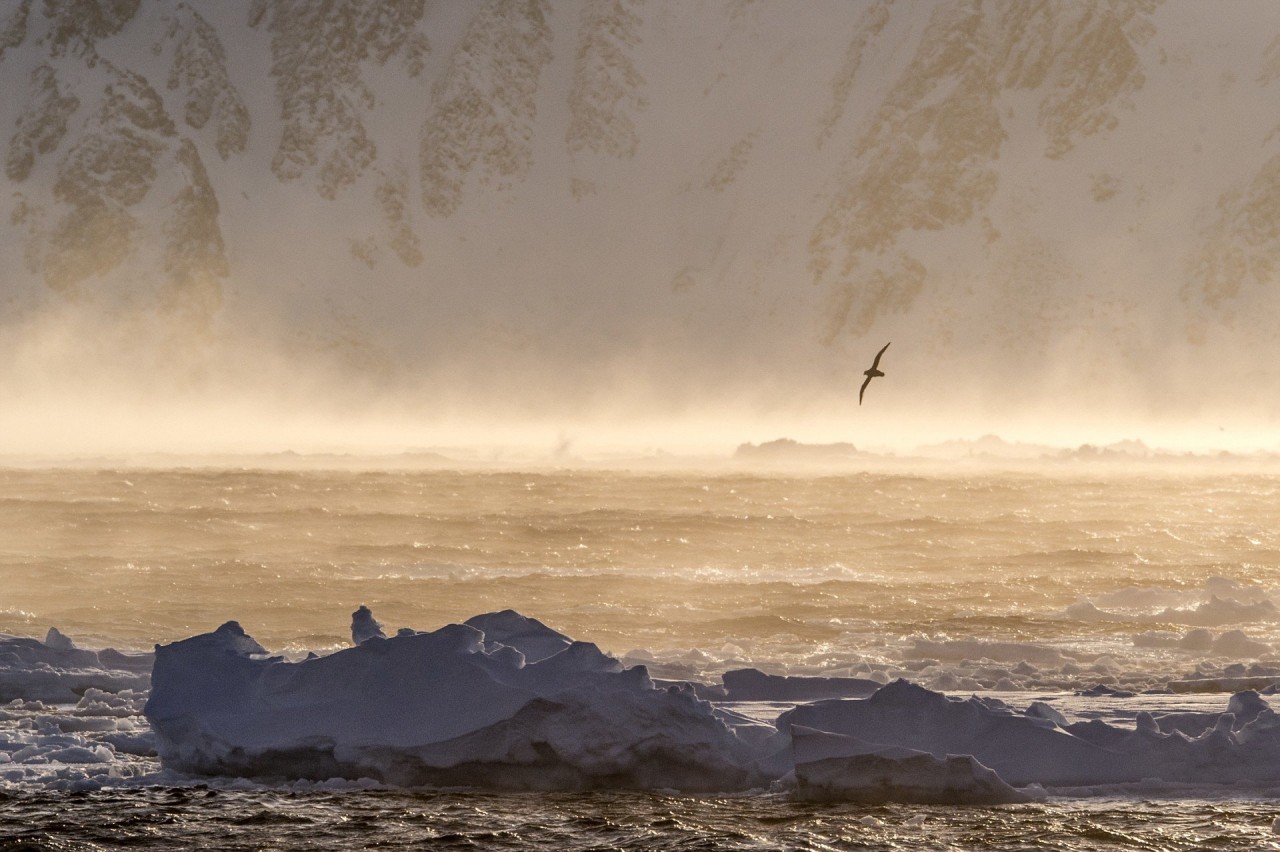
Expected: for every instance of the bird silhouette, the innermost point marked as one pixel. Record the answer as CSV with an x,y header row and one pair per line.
x,y
872,373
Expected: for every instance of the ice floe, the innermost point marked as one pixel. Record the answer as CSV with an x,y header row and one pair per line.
x,y
450,707
56,671
1239,747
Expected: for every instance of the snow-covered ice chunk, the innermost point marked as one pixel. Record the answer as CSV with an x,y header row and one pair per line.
x,y
57,672
448,707
527,635
1042,710
1240,747
1234,643
1021,749
364,627
58,642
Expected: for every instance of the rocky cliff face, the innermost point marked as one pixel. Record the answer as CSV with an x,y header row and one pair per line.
x,y
750,182
929,156
103,179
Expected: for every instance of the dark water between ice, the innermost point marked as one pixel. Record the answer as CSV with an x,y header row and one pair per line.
x,y
189,818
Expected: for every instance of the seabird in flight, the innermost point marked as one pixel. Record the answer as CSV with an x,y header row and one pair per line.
x,y
872,373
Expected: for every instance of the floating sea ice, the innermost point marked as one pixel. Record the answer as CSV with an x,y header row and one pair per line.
x,y
1198,639
96,702
1261,683
1229,589
1218,611
1021,749
364,627
50,745
1243,708
1151,598
1157,639
1102,690
755,685
950,682
1234,643
1085,610
1240,747
1042,710
57,672
102,739
58,642
81,754
451,707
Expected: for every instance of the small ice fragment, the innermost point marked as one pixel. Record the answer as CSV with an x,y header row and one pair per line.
x,y
1041,710
1198,639
364,627
55,640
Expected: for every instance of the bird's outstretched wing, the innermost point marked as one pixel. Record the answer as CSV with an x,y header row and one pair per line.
x,y
875,365
865,382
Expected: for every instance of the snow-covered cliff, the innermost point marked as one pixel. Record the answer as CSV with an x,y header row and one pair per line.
x,y
1074,201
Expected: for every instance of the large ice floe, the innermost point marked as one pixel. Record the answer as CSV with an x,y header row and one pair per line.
x,y
450,707
505,702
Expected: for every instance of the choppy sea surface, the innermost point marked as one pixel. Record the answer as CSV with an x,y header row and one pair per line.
x,y
1026,583
182,818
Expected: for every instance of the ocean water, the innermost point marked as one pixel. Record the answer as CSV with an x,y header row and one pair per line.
x,y
1022,582
189,818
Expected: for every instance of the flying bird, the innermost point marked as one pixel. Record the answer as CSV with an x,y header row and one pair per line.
x,y
872,373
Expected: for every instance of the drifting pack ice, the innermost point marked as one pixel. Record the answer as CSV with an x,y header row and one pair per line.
x,y
56,671
504,702
501,701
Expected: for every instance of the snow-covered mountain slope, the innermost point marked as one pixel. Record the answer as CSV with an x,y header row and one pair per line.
x,y
564,204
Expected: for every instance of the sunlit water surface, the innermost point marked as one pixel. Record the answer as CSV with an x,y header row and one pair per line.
x,y
691,573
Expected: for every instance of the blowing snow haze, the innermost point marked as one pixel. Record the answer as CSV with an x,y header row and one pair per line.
x,y
231,217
